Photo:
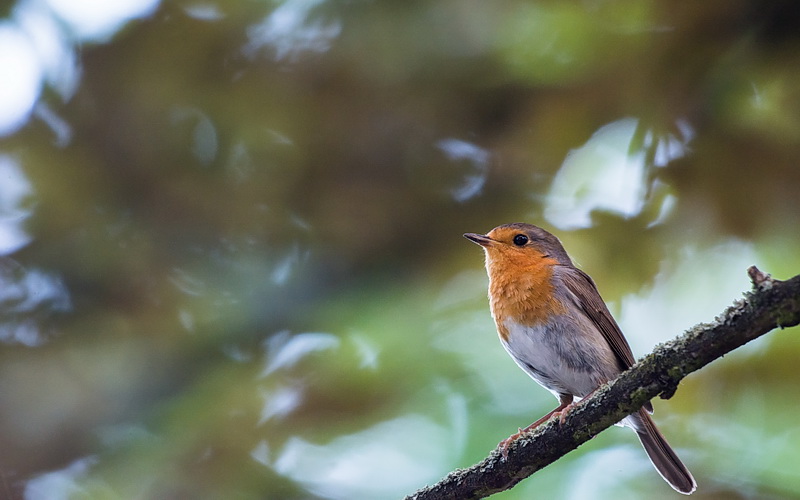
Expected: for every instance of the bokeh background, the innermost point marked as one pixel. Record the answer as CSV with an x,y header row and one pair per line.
x,y
232,264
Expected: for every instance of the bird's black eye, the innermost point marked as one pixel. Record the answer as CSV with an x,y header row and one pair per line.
x,y
520,240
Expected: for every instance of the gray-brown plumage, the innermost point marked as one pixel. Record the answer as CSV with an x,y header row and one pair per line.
x,y
554,324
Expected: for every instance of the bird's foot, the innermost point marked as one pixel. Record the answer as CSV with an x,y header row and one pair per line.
x,y
504,444
561,410
562,413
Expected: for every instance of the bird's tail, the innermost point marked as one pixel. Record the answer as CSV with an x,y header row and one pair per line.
x,y
661,454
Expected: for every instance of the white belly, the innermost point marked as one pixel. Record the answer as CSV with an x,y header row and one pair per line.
x,y
558,358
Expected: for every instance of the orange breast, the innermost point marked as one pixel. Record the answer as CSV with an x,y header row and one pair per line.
x,y
522,291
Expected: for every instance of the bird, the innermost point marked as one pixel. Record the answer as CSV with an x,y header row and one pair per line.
x,y
554,324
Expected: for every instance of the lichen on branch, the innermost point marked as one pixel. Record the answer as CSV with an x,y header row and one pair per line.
x,y
771,304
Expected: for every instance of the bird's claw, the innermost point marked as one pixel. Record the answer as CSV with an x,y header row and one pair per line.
x,y
504,444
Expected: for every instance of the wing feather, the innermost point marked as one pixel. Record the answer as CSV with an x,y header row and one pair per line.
x,y
588,299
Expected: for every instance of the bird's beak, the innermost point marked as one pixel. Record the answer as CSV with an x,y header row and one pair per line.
x,y
480,239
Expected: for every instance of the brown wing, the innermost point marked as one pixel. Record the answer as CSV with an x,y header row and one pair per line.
x,y
588,298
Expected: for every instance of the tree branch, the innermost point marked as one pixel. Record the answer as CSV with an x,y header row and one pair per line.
x,y
770,304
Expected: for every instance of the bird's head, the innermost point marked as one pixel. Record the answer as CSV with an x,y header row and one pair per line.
x,y
519,244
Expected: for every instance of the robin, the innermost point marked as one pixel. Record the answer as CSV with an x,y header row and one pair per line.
x,y
554,324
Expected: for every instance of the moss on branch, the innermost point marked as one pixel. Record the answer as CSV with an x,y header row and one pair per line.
x,y
769,305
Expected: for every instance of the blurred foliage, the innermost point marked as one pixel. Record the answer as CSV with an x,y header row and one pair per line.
x,y
246,278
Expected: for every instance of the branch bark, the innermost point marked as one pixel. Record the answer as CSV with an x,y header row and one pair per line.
x,y
770,304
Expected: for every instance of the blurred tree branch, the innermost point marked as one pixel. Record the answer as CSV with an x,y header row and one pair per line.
x,y
770,304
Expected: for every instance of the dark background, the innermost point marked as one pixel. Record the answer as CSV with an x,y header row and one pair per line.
x,y
238,269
